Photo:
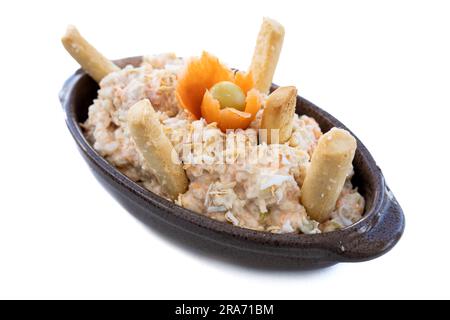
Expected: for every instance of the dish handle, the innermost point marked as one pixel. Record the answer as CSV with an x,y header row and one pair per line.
x,y
379,237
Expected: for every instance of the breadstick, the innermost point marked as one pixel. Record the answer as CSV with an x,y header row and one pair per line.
x,y
156,148
92,61
331,163
267,52
279,113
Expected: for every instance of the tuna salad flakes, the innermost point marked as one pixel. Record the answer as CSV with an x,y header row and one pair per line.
x,y
232,178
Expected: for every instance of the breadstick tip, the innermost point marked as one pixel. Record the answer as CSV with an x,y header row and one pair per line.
x,y
71,31
266,54
281,95
279,113
138,109
92,61
278,27
338,140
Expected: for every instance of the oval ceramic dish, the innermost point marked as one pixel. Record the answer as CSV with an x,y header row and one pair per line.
x,y
375,234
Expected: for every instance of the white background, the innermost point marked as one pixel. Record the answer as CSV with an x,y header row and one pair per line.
x,y
381,67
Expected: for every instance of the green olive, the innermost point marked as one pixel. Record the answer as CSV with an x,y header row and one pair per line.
x,y
229,95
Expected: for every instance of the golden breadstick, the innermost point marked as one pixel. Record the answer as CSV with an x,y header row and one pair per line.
x,y
92,61
331,163
279,113
267,52
156,148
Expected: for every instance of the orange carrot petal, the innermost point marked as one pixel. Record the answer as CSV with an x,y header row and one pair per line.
x,y
231,118
244,81
200,74
210,108
213,70
253,103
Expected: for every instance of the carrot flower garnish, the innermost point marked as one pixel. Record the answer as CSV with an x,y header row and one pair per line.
x,y
209,90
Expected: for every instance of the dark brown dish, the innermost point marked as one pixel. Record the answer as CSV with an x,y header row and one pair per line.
x,y
375,234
